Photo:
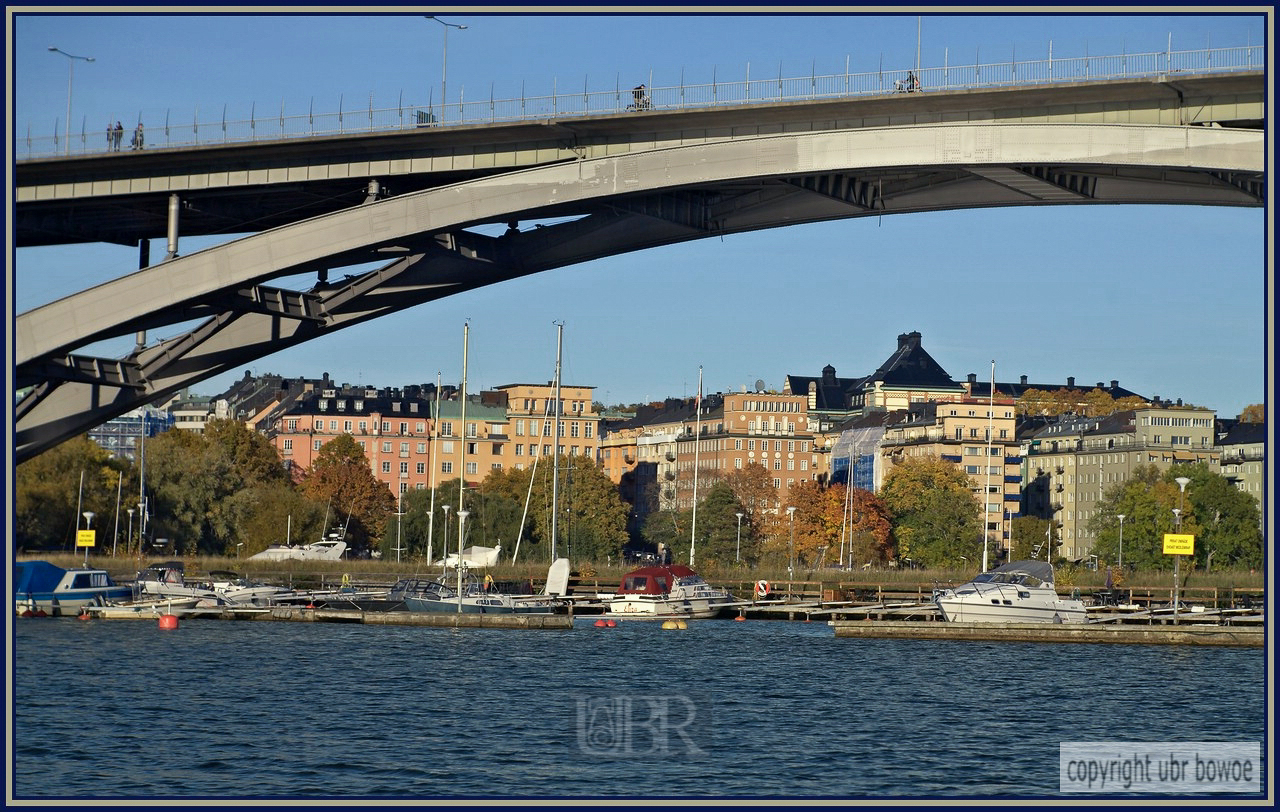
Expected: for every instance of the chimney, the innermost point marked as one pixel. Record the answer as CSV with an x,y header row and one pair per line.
x,y
1023,380
973,378
1071,383
1115,384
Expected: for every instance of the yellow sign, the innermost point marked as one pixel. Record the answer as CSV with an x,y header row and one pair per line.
x,y
1179,544
85,538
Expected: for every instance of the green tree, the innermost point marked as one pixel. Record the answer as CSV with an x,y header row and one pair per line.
x,y
717,530
278,513
935,514
340,477
49,497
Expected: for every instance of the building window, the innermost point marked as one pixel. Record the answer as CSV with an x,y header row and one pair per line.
x,y
288,446
386,467
422,468
422,448
446,428
386,447
317,444
446,467
587,431
404,468
471,468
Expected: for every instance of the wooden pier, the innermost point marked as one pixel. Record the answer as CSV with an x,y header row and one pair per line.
x,y
1184,633
462,620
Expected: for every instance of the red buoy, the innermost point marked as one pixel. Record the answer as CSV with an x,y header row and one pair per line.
x,y
740,617
600,623
611,623
168,622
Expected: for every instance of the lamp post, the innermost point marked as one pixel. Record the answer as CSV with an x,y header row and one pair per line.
x,y
128,537
791,550
462,523
71,74
1177,523
445,546
737,556
444,67
142,520
1120,563
88,525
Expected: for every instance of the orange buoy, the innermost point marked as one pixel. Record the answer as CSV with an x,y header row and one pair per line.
x,y
84,616
740,617
168,622
611,623
600,624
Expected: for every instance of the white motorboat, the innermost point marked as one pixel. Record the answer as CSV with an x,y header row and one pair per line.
x,y
330,548
168,581
670,591
42,588
158,607
1017,592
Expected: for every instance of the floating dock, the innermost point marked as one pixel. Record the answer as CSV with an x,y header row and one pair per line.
x,y
465,620
1253,635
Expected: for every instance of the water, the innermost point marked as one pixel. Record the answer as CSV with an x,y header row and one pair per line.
x,y
217,709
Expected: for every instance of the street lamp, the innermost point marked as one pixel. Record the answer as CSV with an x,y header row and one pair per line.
x,y
71,74
462,523
1177,523
445,546
444,67
128,537
791,549
1120,516
737,556
88,525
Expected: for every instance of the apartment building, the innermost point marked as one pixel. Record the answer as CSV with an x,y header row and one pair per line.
x,y
1070,464
531,415
1243,447
980,438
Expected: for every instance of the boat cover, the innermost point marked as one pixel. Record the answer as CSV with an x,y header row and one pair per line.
x,y
1036,569
36,577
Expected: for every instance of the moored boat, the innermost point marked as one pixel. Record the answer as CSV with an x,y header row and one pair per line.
x,y
42,587
154,608
670,591
478,595
1017,592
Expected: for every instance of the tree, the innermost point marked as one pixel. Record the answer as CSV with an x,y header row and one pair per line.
x,y
935,514
1254,413
1098,403
277,514
340,476
717,530
818,518
49,498
1224,520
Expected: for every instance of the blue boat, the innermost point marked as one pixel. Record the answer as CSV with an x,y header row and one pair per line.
x,y
41,587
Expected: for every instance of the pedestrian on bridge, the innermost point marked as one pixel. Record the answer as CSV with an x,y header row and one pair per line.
x,y
137,137
117,136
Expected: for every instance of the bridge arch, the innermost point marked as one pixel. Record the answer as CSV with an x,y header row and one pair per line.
x,y
614,204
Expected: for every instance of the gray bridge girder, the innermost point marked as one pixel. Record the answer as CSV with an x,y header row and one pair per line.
x,y
624,203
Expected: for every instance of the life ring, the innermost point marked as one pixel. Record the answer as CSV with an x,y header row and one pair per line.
x,y
762,589
346,580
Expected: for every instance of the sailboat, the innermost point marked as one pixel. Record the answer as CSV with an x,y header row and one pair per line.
x,y
463,591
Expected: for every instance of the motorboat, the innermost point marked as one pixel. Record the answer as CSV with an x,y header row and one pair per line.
x,y
1017,592
44,588
167,580
330,548
667,591
475,557
155,608
441,594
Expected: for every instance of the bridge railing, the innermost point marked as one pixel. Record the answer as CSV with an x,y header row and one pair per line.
x,y
559,105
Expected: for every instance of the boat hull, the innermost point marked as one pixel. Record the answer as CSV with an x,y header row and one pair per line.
x,y
68,603
487,606
979,608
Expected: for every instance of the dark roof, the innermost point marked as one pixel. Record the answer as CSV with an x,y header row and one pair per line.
x,y
1244,434
830,393
911,366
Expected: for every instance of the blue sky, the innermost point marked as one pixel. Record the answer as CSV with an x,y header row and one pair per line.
x,y
1170,301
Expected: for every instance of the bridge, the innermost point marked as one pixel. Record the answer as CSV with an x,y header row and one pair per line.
x,y
445,209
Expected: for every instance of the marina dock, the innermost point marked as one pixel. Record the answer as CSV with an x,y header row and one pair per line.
x,y
466,620
1186,633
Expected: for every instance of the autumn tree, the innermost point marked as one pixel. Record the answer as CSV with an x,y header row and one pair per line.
x,y
49,496
340,476
1254,413
934,512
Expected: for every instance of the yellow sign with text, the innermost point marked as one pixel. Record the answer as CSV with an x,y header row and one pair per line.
x,y
85,538
1179,544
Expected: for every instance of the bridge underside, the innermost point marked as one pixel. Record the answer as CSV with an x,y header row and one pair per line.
x,y
429,244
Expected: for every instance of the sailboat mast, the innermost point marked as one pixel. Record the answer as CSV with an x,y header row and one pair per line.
x,y
697,441
555,445
986,493
462,456
435,432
